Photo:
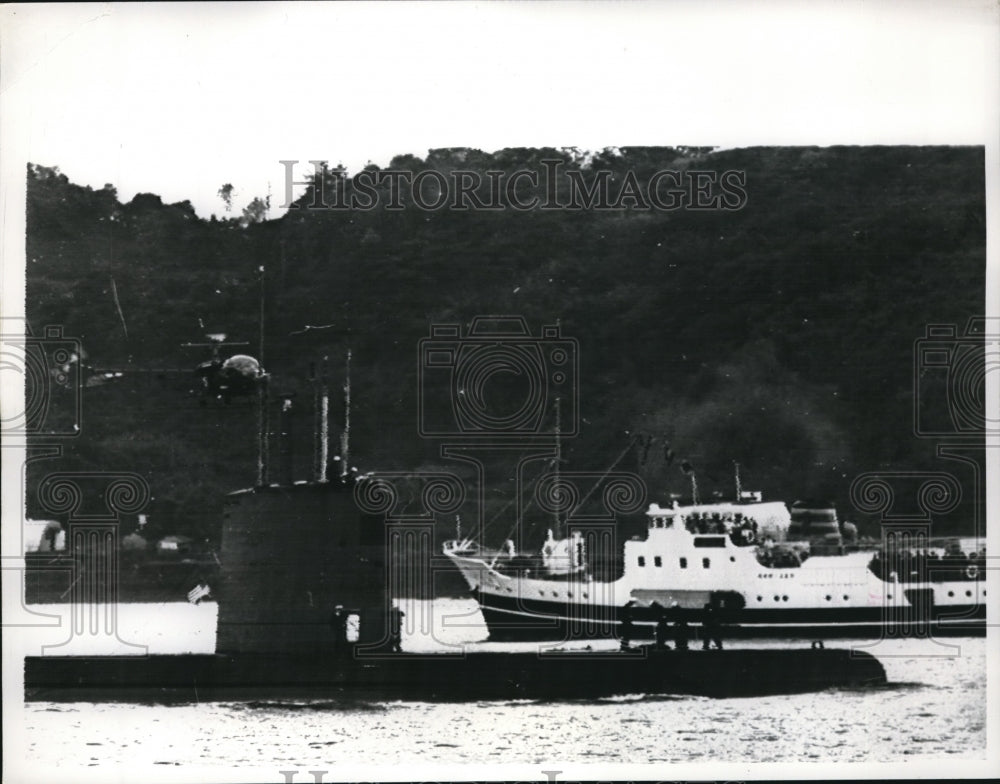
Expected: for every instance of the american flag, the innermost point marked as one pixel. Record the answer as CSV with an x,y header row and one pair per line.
x,y
198,593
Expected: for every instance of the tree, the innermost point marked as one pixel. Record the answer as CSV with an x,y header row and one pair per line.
x,y
226,193
256,211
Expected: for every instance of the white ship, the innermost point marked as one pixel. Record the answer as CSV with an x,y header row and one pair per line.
x,y
765,571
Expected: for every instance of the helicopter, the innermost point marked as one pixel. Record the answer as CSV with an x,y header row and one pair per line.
x,y
225,379
221,379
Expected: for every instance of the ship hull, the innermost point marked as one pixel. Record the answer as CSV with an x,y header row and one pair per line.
x,y
510,620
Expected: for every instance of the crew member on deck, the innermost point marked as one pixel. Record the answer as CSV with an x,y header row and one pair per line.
x,y
711,632
396,629
338,622
627,626
661,632
681,633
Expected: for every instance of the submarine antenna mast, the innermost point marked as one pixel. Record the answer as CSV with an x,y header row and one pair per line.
x,y
260,347
324,429
321,406
263,425
345,436
558,461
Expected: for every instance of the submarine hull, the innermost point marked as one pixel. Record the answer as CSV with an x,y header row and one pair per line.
x,y
486,675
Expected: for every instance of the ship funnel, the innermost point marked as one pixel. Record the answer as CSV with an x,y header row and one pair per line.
x,y
815,521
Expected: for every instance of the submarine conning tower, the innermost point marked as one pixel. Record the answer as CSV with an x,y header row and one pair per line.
x,y
291,554
303,567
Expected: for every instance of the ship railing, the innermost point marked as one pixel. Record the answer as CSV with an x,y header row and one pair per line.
x,y
460,547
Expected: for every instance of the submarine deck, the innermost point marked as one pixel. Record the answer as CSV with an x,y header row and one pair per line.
x,y
445,677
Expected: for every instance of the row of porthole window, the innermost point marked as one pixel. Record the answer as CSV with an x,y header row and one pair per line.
x,y
569,594
951,594
759,598
846,597
705,562
657,561
554,593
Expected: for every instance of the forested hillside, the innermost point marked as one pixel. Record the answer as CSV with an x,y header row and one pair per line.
x,y
778,332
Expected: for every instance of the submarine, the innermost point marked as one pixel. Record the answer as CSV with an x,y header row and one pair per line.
x,y
306,611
